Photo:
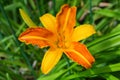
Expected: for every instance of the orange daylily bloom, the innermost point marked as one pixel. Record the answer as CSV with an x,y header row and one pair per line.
x,y
59,33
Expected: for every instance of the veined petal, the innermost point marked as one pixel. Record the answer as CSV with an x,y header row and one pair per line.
x,y
36,36
51,58
82,32
66,20
49,22
80,54
27,19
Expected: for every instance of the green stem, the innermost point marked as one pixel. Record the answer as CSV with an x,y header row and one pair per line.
x,y
54,5
91,14
68,63
74,2
16,40
38,8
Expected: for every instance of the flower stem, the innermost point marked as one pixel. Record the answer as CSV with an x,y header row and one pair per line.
x,y
91,14
54,5
68,63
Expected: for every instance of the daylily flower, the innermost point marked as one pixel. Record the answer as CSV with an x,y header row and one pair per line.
x,y
59,33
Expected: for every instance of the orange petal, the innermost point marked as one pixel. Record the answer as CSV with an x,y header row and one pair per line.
x,y
80,54
36,36
52,56
66,20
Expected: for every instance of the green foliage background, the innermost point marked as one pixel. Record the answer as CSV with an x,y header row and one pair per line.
x,y
22,62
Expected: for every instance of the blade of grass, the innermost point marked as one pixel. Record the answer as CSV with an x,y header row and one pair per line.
x,y
95,71
106,44
110,13
54,7
68,63
13,75
110,77
81,11
52,76
91,14
16,41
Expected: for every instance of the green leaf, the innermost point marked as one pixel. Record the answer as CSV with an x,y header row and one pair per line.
x,y
109,13
105,42
116,29
52,76
95,71
110,77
